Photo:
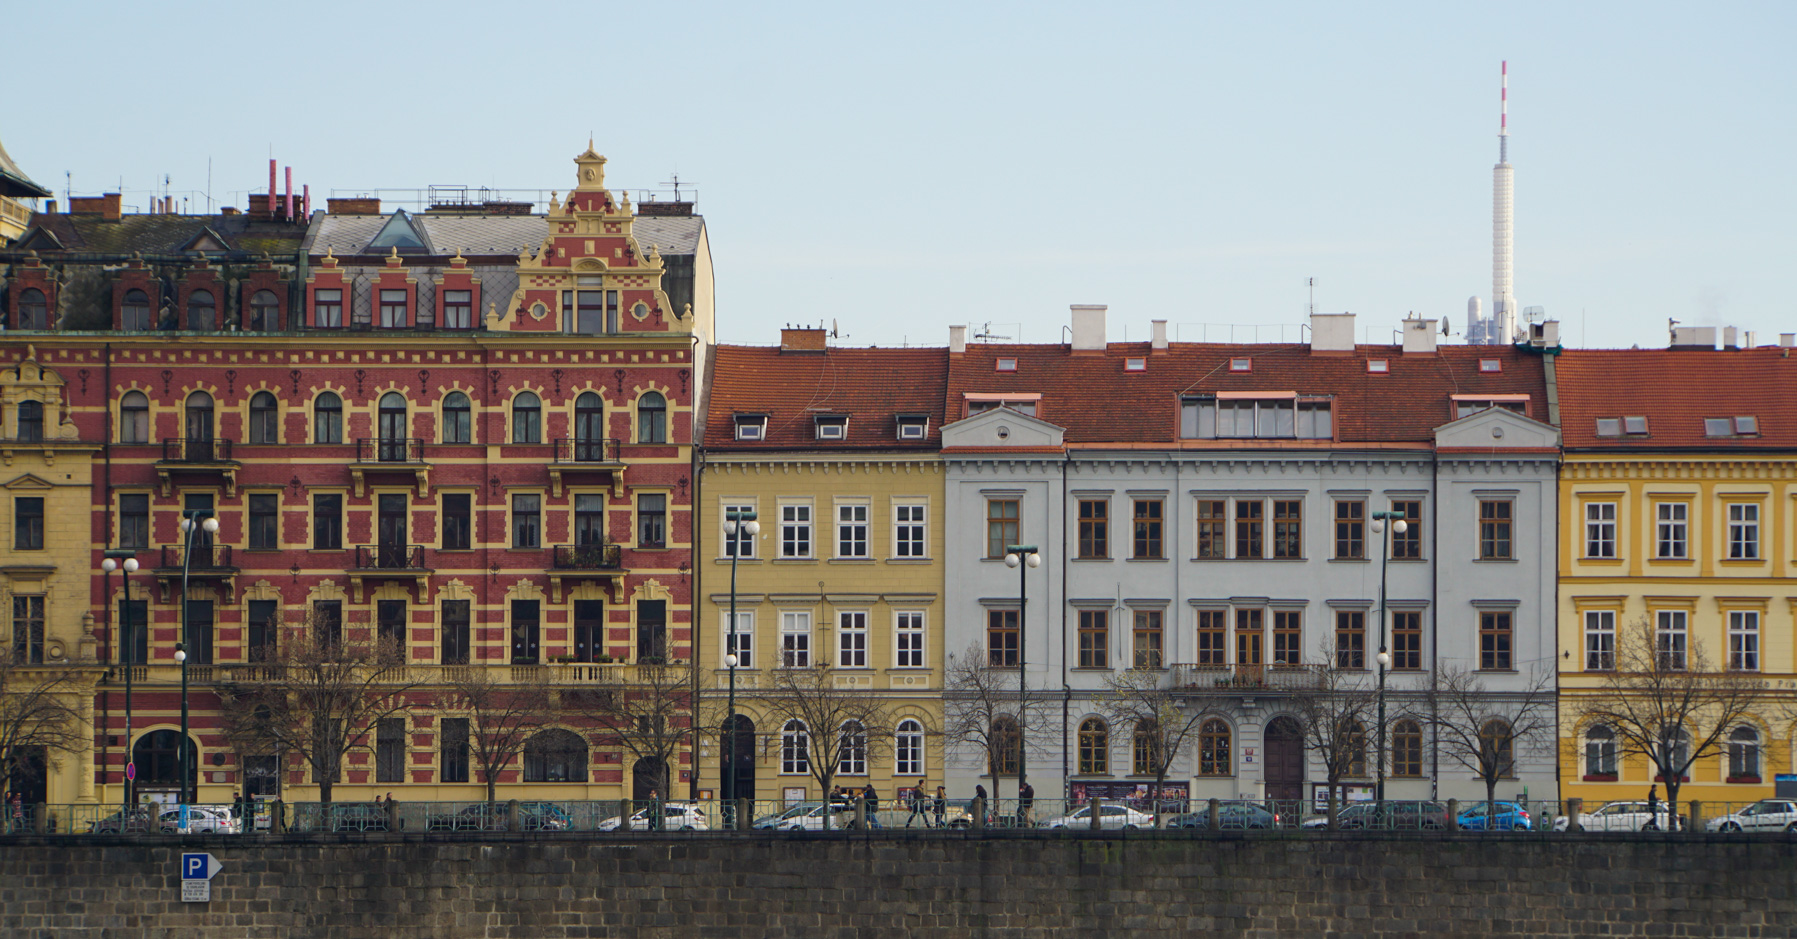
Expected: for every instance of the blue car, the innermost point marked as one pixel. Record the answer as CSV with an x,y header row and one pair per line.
x,y
1495,816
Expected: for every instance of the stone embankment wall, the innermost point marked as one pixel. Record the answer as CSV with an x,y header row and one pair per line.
x,y
908,885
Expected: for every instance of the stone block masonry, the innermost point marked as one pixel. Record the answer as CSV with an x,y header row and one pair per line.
x,y
908,885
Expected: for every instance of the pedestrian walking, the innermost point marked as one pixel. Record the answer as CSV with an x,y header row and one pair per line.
x,y
872,799
1026,797
940,807
915,803
1653,805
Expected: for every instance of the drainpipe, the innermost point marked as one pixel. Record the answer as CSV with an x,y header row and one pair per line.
x,y
105,597
1434,617
1066,690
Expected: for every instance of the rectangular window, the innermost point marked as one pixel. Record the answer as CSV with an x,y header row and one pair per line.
x,y
1211,640
393,309
1671,634
1495,642
265,521
743,540
1350,639
390,623
527,525
1494,529
1250,638
589,630
652,630
458,521
1288,528
526,632
851,531
390,750
28,523
1001,639
1406,640
1094,639
1148,529
458,309
1249,528
795,639
134,520
908,632
1288,638
795,531
264,627
456,632
1600,529
327,309
1212,542
1409,542
199,632
1743,531
1147,634
327,521
1350,529
28,630
1600,640
452,763
851,640
652,520
1743,641
1094,528
1213,418
1672,529
134,632
327,622
589,519
1001,526
908,528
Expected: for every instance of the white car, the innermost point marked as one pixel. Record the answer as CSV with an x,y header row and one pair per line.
x,y
1110,815
1621,816
842,816
675,816
1764,815
201,819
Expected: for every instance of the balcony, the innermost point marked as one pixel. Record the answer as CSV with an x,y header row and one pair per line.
x,y
211,563
1212,679
196,458
601,562
388,457
580,455
389,562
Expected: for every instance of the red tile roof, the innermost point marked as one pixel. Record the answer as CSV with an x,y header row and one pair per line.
x,y
1675,389
870,386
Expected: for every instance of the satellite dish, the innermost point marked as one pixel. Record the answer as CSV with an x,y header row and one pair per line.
x,y
833,333
1444,327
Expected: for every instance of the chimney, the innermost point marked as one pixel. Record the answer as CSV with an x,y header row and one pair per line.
x,y
1787,340
1419,337
1749,339
1158,335
1088,327
271,188
106,206
287,204
1331,333
306,200
802,339
228,210
1694,337
957,339
352,206
1731,337
50,207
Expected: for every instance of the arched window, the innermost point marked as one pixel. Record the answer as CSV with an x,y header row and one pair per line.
x,y
1497,749
199,426
265,418
202,311
327,418
1672,753
589,428
458,425
1743,754
1600,752
1407,749
134,312
907,749
1353,745
795,749
265,312
527,418
1094,747
31,421
555,756
1007,746
134,418
652,418
1213,748
33,312
1145,749
392,421
158,758
853,749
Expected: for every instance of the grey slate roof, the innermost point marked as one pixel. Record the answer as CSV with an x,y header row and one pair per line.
x,y
489,235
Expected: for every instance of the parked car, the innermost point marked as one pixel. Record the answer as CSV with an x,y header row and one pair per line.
x,y
1110,815
1495,816
811,818
1417,815
1622,816
491,816
356,816
675,816
138,820
201,820
1764,815
1231,815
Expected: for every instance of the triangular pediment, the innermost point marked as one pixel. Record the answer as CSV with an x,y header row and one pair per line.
x,y
402,231
38,238
207,240
1002,428
1497,427
28,481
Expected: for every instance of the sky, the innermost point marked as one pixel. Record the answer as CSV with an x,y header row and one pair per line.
x,y
894,169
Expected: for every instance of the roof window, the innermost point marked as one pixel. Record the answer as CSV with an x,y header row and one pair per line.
x,y
1005,364
1745,426
1135,364
1223,416
832,427
978,403
1491,365
1468,405
1634,426
913,426
751,426
1609,427
1241,365
1378,366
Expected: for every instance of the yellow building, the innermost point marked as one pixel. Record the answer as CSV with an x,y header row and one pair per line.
x,y
1678,507
837,453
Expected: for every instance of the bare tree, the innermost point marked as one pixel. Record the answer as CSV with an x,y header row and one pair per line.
x,y
1138,699
652,716
1485,731
1668,703
37,712
843,725
318,698
501,717
982,711
1337,709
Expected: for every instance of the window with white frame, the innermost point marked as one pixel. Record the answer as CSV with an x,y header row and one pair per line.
x,y
851,530
795,749
1600,751
744,539
741,640
795,531
851,640
908,638
1213,417
1600,529
1600,640
907,749
1743,531
908,527
1743,640
1671,633
853,749
795,639
1673,529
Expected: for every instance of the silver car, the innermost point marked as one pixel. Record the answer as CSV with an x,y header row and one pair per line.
x,y
1764,815
1622,816
201,819
1110,815
675,816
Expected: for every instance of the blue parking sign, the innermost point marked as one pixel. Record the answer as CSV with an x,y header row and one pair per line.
x,y
199,867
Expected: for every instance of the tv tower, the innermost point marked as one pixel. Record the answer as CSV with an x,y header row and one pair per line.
x,y
1503,207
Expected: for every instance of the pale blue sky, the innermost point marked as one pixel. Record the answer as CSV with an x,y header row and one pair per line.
x,y
900,168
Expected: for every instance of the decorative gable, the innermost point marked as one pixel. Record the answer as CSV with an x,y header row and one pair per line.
x,y
39,239
1002,429
1496,428
207,240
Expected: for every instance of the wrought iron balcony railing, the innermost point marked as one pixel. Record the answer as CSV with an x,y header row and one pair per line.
x,y
1186,676
588,557
587,450
183,450
389,450
390,557
205,557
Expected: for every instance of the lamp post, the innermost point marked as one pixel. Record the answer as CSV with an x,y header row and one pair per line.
x,y
1022,557
193,521
737,523
1397,525
123,559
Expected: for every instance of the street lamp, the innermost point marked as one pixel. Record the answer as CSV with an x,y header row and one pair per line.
x,y
1022,557
1399,526
737,524
193,521
123,559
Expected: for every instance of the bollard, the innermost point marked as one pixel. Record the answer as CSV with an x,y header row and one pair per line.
x,y
1335,822
978,808
1695,822
626,808
1215,820
511,815
1454,816
1574,808
40,818
392,809
744,808
1097,814
277,817
860,814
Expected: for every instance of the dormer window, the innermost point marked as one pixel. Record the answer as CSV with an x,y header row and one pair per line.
x,y
1491,365
1260,415
1378,366
1634,426
1609,427
1731,426
1468,405
1135,364
1747,426
1021,403
1005,364
751,426
832,427
1241,365
913,426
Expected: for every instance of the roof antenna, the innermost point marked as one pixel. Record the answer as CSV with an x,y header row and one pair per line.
x,y
1312,282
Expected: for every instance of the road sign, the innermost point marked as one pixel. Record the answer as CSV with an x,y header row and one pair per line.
x,y
197,871
196,891
131,771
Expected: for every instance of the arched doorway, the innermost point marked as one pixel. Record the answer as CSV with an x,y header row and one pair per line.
x,y
157,755
737,758
199,427
392,427
589,428
1285,760
649,779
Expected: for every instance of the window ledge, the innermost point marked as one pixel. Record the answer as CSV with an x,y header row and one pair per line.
x,y
1092,668
1605,561
1407,560
910,560
1155,560
1600,777
1350,560
1683,561
1660,779
1741,562
850,561
795,560
744,560
1494,560
1752,780
1078,560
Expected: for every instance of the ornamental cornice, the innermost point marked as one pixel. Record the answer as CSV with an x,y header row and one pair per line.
x,y
845,464
1758,468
